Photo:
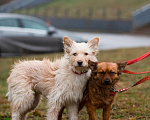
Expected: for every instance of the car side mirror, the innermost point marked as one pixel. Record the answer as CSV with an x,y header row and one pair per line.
x,y
51,30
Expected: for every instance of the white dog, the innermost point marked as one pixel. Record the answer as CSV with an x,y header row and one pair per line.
x,y
62,82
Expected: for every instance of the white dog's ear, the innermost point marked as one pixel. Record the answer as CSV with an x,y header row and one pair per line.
x,y
93,44
67,44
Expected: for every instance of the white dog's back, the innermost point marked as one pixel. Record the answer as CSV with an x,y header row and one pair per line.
x,y
37,74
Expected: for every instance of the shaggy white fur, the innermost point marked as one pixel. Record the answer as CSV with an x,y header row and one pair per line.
x,y
62,82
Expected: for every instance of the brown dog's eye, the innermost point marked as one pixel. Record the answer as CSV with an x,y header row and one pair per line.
x,y
102,73
112,73
74,54
85,53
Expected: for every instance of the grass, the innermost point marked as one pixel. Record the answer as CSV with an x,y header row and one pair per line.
x,y
130,105
93,9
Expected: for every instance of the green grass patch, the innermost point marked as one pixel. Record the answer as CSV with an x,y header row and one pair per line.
x,y
92,9
130,105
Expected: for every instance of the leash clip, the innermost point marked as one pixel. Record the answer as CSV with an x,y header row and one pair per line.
x,y
113,90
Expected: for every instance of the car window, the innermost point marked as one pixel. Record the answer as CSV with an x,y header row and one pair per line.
x,y
9,22
33,25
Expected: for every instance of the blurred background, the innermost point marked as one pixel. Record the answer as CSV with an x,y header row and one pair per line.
x,y
34,29
38,26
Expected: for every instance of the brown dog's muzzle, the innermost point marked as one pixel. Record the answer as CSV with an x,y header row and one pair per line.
x,y
107,81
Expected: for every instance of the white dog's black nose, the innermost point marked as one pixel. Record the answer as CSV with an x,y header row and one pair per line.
x,y
80,62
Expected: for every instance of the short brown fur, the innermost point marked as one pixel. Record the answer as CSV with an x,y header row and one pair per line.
x,y
97,94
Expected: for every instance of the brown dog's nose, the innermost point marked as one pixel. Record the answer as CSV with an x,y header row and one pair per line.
x,y
80,63
107,81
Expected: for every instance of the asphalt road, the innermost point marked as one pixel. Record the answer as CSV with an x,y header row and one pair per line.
x,y
114,41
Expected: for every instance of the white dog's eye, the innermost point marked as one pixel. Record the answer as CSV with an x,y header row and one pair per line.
x,y
75,54
85,53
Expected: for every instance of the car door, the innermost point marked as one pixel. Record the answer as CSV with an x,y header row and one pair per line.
x,y
38,38
33,28
11,27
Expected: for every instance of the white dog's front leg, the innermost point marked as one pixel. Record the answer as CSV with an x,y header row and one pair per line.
x,y
52,113
72,111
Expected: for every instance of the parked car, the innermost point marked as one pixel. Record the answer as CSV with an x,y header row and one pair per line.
x,y
19,45
26,34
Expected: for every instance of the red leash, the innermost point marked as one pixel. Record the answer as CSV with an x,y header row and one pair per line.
x,y
113,91
129,62
130,72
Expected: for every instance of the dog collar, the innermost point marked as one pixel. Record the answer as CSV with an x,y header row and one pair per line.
x,y
85,71
112,91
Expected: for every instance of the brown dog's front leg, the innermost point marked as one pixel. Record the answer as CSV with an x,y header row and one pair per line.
x,y
106,113
92,112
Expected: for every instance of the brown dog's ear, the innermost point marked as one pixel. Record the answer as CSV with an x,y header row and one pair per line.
x,y
67,44
121,67
92,65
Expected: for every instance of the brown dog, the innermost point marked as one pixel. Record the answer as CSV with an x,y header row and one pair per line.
x,y
98,93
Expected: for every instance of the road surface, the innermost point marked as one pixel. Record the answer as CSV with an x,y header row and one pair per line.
x,y
110,41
